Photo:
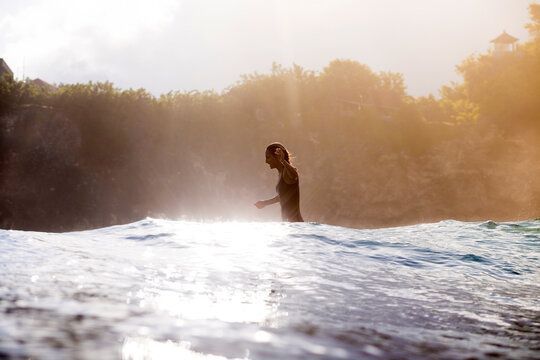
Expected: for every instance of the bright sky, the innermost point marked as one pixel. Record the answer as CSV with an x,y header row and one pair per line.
x,y
164,45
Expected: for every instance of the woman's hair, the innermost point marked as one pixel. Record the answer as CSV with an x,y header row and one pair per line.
x,y
272,149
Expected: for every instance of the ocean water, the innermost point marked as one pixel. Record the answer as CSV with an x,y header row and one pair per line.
x,y
160,289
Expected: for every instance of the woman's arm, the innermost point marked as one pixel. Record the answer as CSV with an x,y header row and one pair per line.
x,y
290,174
263,203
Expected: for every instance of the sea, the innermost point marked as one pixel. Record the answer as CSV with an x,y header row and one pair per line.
x,y
165,289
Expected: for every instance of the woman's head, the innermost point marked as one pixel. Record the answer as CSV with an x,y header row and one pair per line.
x,y
272,150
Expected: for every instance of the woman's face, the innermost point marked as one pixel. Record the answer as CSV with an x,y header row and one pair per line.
x,y
271,159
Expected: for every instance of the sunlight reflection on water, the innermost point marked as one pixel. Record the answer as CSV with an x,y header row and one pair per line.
x,y
202,293
203,289
148,349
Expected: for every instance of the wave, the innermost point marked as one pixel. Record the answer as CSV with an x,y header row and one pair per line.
x,y
272,290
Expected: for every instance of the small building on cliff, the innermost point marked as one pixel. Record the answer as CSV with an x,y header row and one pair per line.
x,y
43,84
504,43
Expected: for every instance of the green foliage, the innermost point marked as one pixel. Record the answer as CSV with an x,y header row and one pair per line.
x,y
350,80
534,26
14,94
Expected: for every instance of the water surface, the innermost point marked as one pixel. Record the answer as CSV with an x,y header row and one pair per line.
x,y
158,289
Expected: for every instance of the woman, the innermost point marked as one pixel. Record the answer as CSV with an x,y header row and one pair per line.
x,y
277,157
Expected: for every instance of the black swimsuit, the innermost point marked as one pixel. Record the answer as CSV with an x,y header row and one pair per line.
x,y
289,199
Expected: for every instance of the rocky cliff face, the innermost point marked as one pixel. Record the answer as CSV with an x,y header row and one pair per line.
x,y
472,178
52,180
479,175
41,177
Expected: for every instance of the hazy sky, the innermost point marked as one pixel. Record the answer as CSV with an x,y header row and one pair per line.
x,y
164,45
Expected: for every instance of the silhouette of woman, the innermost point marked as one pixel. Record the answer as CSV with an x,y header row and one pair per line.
x,y
277,157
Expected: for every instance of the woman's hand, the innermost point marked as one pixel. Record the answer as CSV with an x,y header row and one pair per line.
x,y
279,155
260,204
290,175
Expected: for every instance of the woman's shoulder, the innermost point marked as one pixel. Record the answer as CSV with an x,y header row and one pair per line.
x,y
290,178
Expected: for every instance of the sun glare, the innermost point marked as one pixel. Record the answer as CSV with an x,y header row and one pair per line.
x,y
209,291
226,255
232,247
